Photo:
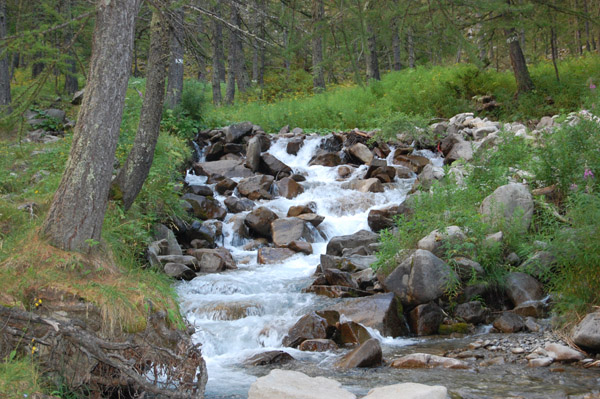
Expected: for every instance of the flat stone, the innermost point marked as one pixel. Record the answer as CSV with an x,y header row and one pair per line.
x,y
425,360
318,345
562,353
273,255
408,390
280,384
270,357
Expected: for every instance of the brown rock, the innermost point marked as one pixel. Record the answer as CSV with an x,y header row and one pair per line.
x,y
301,246
289,188
425,360
426,319
312,218
256,187
318,345
270,357
259,221
273,255
310,326
286,230
353,333
338,277
368,354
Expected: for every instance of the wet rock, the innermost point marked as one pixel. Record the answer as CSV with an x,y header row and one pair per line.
x,y
329,159
225,168
351,333
318,345
237,205
472,312
427,361
256,187
336,291
256,244
273,255
350,264
509,322
268,358
273,166
289,188
361,152
333,143
587,333
372,185
361,238
380,219
279,384
301,246
344,171
179,271
259,221
381,312
229,310
312,218
294,145
225,185
425,319
521,288
286,230
511,202
420,278
562,353
215,151
253,152
540,362
213,260
402,172
408,390
338,277
189,261
467,268
310,326
205,207
438,241
235,133
368,354
297,210
207,231
201,189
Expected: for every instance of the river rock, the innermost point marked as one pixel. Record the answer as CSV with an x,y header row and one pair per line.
x,y
329,159
289,188
587,333
237,205
512,202
269,357
361,152
213,260
273,255
259,221
467,269
312,218
381,312
408,390
201,189
273,166
279,384
286,230
380,219
162,232
225,185
420,278
256,187
336,291
253,152
215,151
562,353
415,163
235,133
351,263
425,319
437,242
206,231
179,271
429,174
509,322
338,277
472,312
425,360
372,185
521,288
318,345
225,168
301,246
205,208
189,261
461,150
294,145
352,333
297,210
336,245
368,354
310,326
540,362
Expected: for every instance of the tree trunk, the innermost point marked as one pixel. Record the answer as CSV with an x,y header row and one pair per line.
x,y
218,59
239,62
372,59
200,58
554,51
74,221
518,63
230,89
317,46
5,98
38,67
397,63
71,83
411,48
132,175
175,82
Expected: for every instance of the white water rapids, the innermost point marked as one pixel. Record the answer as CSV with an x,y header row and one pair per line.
x,y
270,295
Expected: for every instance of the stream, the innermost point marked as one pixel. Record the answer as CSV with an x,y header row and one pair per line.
x,y
239,313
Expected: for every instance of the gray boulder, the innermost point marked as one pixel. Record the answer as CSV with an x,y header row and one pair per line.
x,y
509,322
361,152
587,333
225,168
408,390
256,187
437,241
179,271
521,288
472,312
511,203
279,384
259,221
286,230
425,319
361,238
234,133
253,154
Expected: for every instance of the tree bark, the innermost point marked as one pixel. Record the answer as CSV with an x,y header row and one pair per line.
x,y
397,59
132,175
175,82
317,46
239,62
218,67
411,48
71,83
74,221
5,98
372,58
230,88
518,63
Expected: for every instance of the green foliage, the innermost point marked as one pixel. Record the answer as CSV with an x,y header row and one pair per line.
x,y
414,127
19,378
185,119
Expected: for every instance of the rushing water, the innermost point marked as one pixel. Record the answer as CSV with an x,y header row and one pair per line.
x,y
239,313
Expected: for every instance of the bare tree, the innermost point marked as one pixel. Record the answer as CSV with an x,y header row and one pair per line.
x,y
318,12
5,98
74,221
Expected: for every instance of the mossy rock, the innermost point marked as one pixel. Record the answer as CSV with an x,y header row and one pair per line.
x,y
447,329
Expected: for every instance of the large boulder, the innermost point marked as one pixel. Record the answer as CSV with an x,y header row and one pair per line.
x,y
213,260
460,150
286,230
234,133
381,312
426,319
279,384
587,333
289,188
511,203
269,357
416,163
162,232
310,326
361,238
318,345
372,185
273,166
237,205
408,390
329,159
256,187
429,175
521,288
259,221
471,312
268,255
420,278
563,353
351,264
338,277
368,354
509,322
225,168
253,154
380,219
361,152
352,333
205,207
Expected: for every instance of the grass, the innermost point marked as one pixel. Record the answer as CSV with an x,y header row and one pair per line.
x,y
423,91
19,379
